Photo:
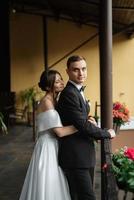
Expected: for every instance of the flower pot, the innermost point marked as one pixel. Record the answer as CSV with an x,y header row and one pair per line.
x,y
116,128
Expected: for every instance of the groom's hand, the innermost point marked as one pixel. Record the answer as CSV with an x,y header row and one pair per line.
x,y
112,133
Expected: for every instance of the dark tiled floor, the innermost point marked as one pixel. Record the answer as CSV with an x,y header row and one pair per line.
x,y
15,153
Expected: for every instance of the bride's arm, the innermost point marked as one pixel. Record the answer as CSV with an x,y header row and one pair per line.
x,y
46,104
65,130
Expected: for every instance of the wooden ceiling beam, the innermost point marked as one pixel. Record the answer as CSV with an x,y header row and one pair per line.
x,y
122,8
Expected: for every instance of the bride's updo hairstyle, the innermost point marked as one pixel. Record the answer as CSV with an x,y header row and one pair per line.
x,y
47,80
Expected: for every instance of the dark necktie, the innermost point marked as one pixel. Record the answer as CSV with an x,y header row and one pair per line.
x,y
82,88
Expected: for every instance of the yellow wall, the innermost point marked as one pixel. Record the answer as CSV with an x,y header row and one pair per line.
x,y
26,50
123,70
27,55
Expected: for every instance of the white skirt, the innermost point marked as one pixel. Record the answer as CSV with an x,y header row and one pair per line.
x,y
45,179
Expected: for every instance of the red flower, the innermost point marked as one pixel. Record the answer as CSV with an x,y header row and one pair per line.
x,y
120,113
105,166
117,106
129,153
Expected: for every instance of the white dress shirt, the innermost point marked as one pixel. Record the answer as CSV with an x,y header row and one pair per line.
x,y
78,86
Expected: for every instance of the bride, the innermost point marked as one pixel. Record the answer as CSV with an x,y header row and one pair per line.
x,y
45,179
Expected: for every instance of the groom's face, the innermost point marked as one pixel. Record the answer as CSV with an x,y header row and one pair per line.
x,y
77,71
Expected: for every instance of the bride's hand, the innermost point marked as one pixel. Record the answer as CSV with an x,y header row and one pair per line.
x,y
92,120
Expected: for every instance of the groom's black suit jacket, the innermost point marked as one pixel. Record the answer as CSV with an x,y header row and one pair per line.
x,y
77,150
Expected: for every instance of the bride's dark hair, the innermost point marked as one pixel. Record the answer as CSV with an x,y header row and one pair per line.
x,y
47,80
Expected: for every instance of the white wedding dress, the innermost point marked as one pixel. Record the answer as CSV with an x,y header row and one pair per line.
x,y
45,179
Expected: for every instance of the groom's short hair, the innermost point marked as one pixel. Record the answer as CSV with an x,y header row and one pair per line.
x,y
74,58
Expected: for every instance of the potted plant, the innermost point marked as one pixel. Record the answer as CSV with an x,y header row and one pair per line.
x,y
123,168
3,127
121,115
28,96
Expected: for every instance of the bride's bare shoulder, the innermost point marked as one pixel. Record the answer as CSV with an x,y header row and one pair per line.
x,y
44,105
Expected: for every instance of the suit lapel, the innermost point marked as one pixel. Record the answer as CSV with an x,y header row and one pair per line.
x,y
87,107
84,104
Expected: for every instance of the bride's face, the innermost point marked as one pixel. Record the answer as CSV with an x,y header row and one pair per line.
x,y
58,84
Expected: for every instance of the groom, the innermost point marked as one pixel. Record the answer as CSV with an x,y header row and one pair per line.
x,y
77,151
